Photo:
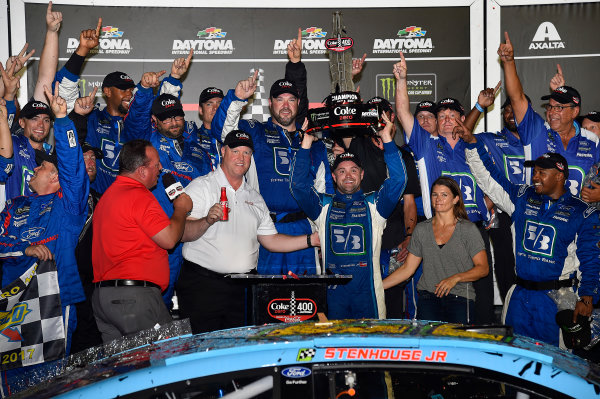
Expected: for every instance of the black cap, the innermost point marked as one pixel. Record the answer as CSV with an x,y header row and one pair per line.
x,y
208,93
550,160
382,102
118,79
237,138
594,116
346,156
450,103
428,106
575,335
507,101
35,108
41,156
166,106
282,86
565,95
85,147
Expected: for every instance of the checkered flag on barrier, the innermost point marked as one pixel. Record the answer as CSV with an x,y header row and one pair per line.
x,y
31,324
258,105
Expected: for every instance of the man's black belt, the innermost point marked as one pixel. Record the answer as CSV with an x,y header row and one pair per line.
x,y
546,285
288,217
127,283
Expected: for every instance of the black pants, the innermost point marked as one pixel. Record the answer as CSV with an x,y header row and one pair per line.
x,y
211,301
484,289
504,255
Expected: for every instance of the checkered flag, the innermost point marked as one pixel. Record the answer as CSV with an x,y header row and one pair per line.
x,y
306,354
258,105
31,324
293,304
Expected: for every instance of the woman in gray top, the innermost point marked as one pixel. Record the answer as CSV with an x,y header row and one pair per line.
x,y
453,255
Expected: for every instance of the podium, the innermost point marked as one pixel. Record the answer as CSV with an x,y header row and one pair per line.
x,y
285,299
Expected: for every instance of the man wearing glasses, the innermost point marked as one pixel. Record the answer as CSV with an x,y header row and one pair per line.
x,y
559,133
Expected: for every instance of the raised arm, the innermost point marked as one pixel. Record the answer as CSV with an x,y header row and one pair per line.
x,y
512,83
402,102
138,121
227,116
49,57
6,147
296,72
485,99
72,175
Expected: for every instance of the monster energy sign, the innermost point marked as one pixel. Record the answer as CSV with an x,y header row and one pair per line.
x,y
421,87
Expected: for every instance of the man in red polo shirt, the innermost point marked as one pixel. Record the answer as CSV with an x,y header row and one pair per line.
x,y
129,252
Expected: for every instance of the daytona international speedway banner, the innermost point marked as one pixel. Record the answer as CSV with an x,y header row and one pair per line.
x,y
228,42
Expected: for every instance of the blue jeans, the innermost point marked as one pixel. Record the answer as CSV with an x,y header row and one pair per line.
x,y
451,308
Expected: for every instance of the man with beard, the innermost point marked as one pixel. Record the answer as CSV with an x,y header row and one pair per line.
x,y
559,133
275,143
161,121
101,128
444,155
350,224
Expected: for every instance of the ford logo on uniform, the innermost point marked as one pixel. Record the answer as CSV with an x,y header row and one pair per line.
x,y
296,372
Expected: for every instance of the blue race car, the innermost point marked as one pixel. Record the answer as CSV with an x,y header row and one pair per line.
x,y
334,359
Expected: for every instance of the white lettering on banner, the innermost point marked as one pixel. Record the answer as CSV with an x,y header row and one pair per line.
x,y
202,45
546,38
413,45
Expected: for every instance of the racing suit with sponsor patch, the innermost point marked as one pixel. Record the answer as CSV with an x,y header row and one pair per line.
x,y
183,158
17,179
507,152
100,129
554,240
274,150
538,138
350,227
54,220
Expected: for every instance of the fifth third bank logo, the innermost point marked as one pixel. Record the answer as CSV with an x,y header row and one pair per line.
x,y
546,38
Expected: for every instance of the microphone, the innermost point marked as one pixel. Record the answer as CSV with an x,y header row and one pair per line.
x,y
173,188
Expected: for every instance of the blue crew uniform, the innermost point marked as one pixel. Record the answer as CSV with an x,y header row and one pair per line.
x,y
507,152
350,228
553,241
184,158
100,129
54,220
435,157
538,138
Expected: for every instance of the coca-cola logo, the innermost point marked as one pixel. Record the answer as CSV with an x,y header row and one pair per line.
x,y
426,104
285,84
125,77
339,44
214,91
289,310
242,136
561,90
37,105
167,103
344,111
447,101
